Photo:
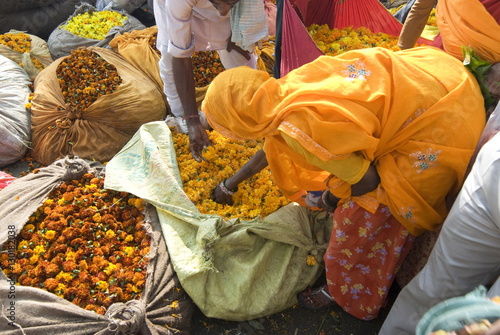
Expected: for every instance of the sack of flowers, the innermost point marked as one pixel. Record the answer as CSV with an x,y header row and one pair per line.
x,y
77,258
89,104
237,263
39,21
15,130
88,26
29,51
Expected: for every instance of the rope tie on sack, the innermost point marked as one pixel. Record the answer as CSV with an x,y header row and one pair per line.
x,y
126,318
74,169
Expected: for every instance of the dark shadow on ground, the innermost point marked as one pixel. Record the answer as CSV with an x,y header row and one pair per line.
x,y
295,321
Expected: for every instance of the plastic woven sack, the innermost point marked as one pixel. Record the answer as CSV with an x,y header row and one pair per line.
x,y
233,270
15,133
61,41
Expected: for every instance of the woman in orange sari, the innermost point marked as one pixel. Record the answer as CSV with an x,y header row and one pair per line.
x,y
386,136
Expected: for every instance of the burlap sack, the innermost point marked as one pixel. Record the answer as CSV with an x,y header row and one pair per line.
x,y
101,130
32,311
39,51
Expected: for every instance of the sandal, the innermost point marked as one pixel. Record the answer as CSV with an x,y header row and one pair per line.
x,y
314,299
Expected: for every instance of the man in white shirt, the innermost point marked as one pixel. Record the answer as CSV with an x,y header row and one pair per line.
x,y
186,26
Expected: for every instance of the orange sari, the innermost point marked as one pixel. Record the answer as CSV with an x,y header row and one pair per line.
x,y
468,23
416,115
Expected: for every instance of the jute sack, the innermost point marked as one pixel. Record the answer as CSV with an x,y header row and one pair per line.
x,y
30,310
39,51
101,130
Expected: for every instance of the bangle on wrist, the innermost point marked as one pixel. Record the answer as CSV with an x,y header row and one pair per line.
x,y
225,190
326,199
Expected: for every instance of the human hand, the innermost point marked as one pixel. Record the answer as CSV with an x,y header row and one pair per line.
x,y
232,46
222,197
328,202
198,139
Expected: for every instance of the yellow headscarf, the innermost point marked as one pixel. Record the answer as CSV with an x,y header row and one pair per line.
x,y
415,114
468,23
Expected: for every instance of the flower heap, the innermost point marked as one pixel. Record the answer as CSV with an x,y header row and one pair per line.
x,y
431,21
207,66
94,25
84,76
258,196
85,244
21,43
336,41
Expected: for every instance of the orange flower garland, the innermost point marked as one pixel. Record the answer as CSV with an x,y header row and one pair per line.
x,y
85,244
84,76
257,196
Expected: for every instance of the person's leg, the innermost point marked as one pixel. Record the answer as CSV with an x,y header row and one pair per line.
x,y
466,254
165,64
363,255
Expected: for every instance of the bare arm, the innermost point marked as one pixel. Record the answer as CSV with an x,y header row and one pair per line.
x,y
252,167
184,82
368,183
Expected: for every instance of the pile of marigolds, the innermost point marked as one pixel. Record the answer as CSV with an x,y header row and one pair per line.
x,y
84,76
21,43
206,64
94,25
333,42
257,196
85,244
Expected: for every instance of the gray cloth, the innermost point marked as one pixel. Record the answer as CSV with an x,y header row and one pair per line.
x,y
29,310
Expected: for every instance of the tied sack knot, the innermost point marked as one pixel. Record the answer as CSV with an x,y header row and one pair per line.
x,y
126,318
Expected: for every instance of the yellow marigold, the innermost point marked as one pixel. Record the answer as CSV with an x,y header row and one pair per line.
x,y
102,285
64,276
129,238
97,218
311,260
129,251
110,234
94,25
49,235
39,249
110,269
34,259
22,245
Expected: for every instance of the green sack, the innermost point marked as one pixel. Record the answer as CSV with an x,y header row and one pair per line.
x,y
233,270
